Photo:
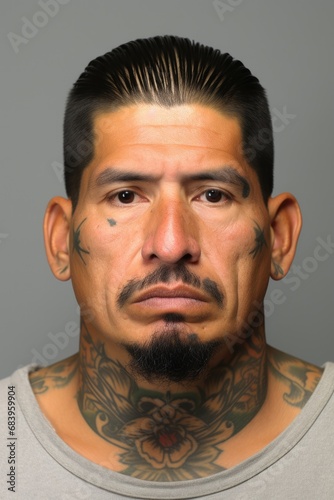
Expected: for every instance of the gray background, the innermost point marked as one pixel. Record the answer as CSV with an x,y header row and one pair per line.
x,y
288,44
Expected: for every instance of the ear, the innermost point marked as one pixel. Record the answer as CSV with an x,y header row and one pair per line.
x,y
57,222
286,223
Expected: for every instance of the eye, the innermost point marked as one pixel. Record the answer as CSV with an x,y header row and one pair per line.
x,y
126,196
214,196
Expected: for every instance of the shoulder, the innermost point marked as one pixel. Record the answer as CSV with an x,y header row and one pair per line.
x,y
14,379
56,376
11,387
299,378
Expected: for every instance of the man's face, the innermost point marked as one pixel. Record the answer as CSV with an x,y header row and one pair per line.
x,y
170,228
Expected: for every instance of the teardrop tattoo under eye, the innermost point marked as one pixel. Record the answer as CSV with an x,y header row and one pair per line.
x,y
112,222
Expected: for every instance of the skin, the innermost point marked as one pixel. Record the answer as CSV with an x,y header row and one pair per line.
x,y
224,233
158,219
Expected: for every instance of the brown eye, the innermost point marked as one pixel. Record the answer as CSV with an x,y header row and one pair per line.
x,y
213,195
126,196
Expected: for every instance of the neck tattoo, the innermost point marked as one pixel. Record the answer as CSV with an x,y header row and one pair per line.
x,y
170,437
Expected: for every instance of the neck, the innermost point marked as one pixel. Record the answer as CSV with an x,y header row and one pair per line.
x,y
173,432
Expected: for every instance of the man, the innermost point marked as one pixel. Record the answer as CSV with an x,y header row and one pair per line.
x,y
170,235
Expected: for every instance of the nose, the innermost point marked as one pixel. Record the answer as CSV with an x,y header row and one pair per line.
x,y
171,234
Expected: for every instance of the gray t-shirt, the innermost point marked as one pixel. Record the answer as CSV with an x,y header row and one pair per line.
x,y
299,464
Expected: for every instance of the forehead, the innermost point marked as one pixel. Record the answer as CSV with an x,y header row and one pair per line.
x,y
170,141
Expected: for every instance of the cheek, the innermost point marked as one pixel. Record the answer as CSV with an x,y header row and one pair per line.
x,y
241,256
253,262
95,282
95,249
109,239
248,269
232,242
113,247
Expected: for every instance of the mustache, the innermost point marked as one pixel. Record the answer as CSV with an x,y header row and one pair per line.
x,y
167,274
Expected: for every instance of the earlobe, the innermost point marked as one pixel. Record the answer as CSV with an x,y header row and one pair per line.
x,y
57,222
286,223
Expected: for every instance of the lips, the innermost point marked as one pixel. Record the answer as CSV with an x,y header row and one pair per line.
x,y
180,292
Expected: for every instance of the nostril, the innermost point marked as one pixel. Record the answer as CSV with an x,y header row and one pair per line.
x,y
186,257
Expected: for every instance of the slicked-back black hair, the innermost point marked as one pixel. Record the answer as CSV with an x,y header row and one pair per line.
x,y
168,71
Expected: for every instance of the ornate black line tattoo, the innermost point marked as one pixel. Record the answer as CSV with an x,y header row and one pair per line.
x,y
57,376
278,269
63,270
165,437
112,222
260,241
300,377
77,242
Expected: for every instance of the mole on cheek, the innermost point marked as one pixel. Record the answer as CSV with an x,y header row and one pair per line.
x,y
112,222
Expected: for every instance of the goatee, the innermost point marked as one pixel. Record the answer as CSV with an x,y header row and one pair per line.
x,y
171,355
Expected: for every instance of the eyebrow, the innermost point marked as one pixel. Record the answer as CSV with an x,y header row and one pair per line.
x,y
111,175
226,174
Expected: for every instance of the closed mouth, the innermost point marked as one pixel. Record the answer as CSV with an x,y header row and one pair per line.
x,y
179,292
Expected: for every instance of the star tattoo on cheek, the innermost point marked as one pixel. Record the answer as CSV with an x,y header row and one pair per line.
x,y
260,241
77,243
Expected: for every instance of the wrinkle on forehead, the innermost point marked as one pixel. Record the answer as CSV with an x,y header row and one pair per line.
x,y
143,122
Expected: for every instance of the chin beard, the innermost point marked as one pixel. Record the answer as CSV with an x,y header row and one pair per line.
x,y
171,356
